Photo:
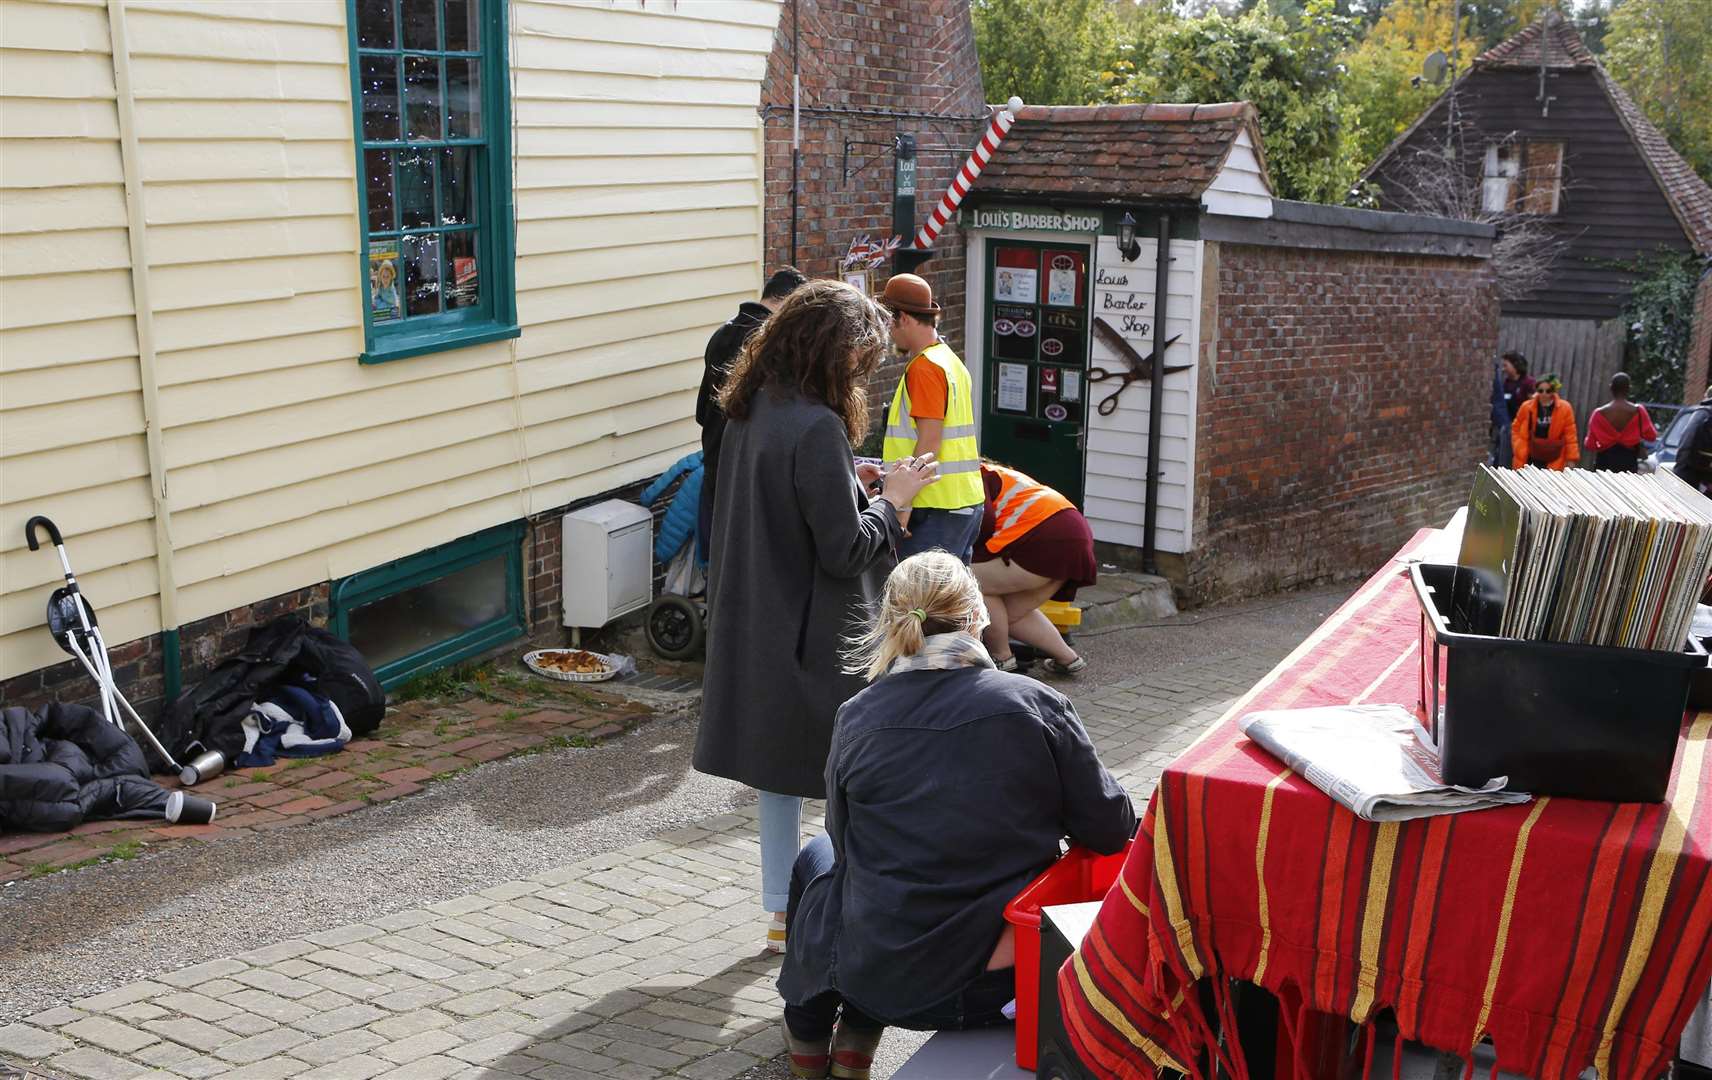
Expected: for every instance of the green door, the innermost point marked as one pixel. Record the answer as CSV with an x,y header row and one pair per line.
x,y
1036,360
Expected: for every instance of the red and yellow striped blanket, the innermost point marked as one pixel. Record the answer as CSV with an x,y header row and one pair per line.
x,y
1570,933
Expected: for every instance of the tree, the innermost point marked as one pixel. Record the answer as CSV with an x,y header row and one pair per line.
x,y
1661,53
1290,73
1048,52
1384,88
1660,314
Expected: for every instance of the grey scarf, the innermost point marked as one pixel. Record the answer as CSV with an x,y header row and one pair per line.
x,y
944,652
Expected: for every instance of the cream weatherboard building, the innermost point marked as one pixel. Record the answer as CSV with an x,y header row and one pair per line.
x,y
256,341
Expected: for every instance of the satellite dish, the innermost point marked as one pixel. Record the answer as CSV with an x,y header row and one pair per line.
x,y
1435,66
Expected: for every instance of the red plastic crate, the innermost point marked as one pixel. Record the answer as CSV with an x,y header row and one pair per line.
x,y
1078,877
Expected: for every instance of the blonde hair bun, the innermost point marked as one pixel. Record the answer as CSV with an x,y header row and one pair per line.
x,y
930,593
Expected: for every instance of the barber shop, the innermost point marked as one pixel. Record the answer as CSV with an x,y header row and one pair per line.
x,y
1136,294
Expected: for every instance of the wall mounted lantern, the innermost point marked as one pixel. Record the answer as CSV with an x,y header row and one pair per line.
x,y
1128,246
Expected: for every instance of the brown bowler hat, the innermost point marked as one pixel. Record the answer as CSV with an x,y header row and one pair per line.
x,y
906,292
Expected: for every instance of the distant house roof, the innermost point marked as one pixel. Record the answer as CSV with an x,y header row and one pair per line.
x,y
1551,34
1118,152
1689,196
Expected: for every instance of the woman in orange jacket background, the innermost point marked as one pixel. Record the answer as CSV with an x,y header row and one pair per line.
x,y
1543,432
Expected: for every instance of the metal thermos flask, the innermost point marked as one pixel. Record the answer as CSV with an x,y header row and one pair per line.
x,y
206,766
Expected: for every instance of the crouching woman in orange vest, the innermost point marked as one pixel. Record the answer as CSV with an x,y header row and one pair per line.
x,y
1034,546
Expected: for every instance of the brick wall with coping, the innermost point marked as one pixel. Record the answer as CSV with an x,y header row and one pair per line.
x,y
865,54
1344,404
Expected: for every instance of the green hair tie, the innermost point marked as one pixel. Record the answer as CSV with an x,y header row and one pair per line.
x,y
920,615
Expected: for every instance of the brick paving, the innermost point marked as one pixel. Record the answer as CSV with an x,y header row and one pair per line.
x,y
493,714
637,964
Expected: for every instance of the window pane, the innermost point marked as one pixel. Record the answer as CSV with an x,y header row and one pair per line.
x,y
385,303
407,622
374,24
380,98
419,31
457,185
415,189
463,99
422,275
463,278
421,98
377,168
463,29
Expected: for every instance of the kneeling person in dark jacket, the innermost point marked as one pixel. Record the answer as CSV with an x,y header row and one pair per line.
x,y
949,785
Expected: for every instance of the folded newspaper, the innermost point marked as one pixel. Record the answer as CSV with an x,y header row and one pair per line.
x,y
1376,760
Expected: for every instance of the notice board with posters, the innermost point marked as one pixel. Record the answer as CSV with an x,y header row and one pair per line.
x,y
1035,345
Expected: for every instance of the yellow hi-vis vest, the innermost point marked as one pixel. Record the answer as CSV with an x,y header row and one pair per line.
x,y
959,483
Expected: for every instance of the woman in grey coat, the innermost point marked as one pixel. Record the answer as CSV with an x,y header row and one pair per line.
x,y
799,552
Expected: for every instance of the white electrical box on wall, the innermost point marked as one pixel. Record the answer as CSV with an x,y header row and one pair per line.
x,y
607,570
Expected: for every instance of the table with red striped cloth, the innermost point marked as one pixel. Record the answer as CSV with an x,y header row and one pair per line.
x,y
1569,933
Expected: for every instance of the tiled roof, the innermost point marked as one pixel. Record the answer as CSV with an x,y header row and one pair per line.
x,y
1689,196
1100,152
1553,34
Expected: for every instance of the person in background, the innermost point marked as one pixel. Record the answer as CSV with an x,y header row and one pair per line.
x,y
1034,546
1617,428
1694,451
1544,431
1499,433
798,552
949,787
722,350
1518,384
933,412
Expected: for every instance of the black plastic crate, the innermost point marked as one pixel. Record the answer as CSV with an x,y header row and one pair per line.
x,y
1584,721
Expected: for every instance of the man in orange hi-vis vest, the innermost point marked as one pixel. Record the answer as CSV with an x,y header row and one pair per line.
x,y
1034,546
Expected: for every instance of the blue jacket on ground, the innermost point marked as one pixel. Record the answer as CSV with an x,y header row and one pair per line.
x,y
679,525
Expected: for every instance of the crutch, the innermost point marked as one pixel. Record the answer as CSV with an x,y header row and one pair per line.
x,y
72,623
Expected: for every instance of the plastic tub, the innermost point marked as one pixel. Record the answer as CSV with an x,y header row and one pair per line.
x,y
1080,876
1582,721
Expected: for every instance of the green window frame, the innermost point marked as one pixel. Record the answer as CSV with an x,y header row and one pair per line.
x,y
412,571
432,121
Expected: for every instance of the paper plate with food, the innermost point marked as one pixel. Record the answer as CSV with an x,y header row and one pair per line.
x,y
572,665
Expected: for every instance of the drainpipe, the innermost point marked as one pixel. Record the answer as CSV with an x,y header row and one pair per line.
x,y
136,229
1156,394
796,125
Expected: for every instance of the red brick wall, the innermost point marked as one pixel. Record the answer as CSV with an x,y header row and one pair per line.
x,y
137,665
871,55
1346,407
1700,347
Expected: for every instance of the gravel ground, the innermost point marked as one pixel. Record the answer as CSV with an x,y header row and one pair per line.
x,y
83,932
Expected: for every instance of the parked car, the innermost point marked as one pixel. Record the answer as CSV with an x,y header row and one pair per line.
x,y
1664,454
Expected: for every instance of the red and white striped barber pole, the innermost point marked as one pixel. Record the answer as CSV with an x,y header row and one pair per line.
x,y
965,178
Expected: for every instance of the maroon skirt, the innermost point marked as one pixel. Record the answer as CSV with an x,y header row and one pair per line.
x,y
1061,547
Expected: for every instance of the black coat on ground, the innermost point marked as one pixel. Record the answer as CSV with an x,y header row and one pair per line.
x,y
211,713
63,765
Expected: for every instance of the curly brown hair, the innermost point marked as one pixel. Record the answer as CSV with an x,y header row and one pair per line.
x,y
823,342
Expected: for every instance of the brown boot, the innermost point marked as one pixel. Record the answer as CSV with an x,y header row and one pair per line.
x,y
808,1060
853,1051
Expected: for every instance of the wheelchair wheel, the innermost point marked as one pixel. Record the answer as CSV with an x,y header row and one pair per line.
x,y
675,630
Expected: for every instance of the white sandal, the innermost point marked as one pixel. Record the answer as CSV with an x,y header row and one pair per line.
x,y
1053,667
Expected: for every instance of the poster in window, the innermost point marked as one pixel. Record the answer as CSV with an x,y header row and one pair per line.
x,y
1062,272
1009,340
385,304
1014,284
1013,388
465,290
1071,391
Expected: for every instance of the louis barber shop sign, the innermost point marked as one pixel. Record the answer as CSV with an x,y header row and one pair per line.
x,y
1034,218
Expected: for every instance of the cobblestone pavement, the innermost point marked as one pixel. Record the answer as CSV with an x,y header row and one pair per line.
x,y
639,963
